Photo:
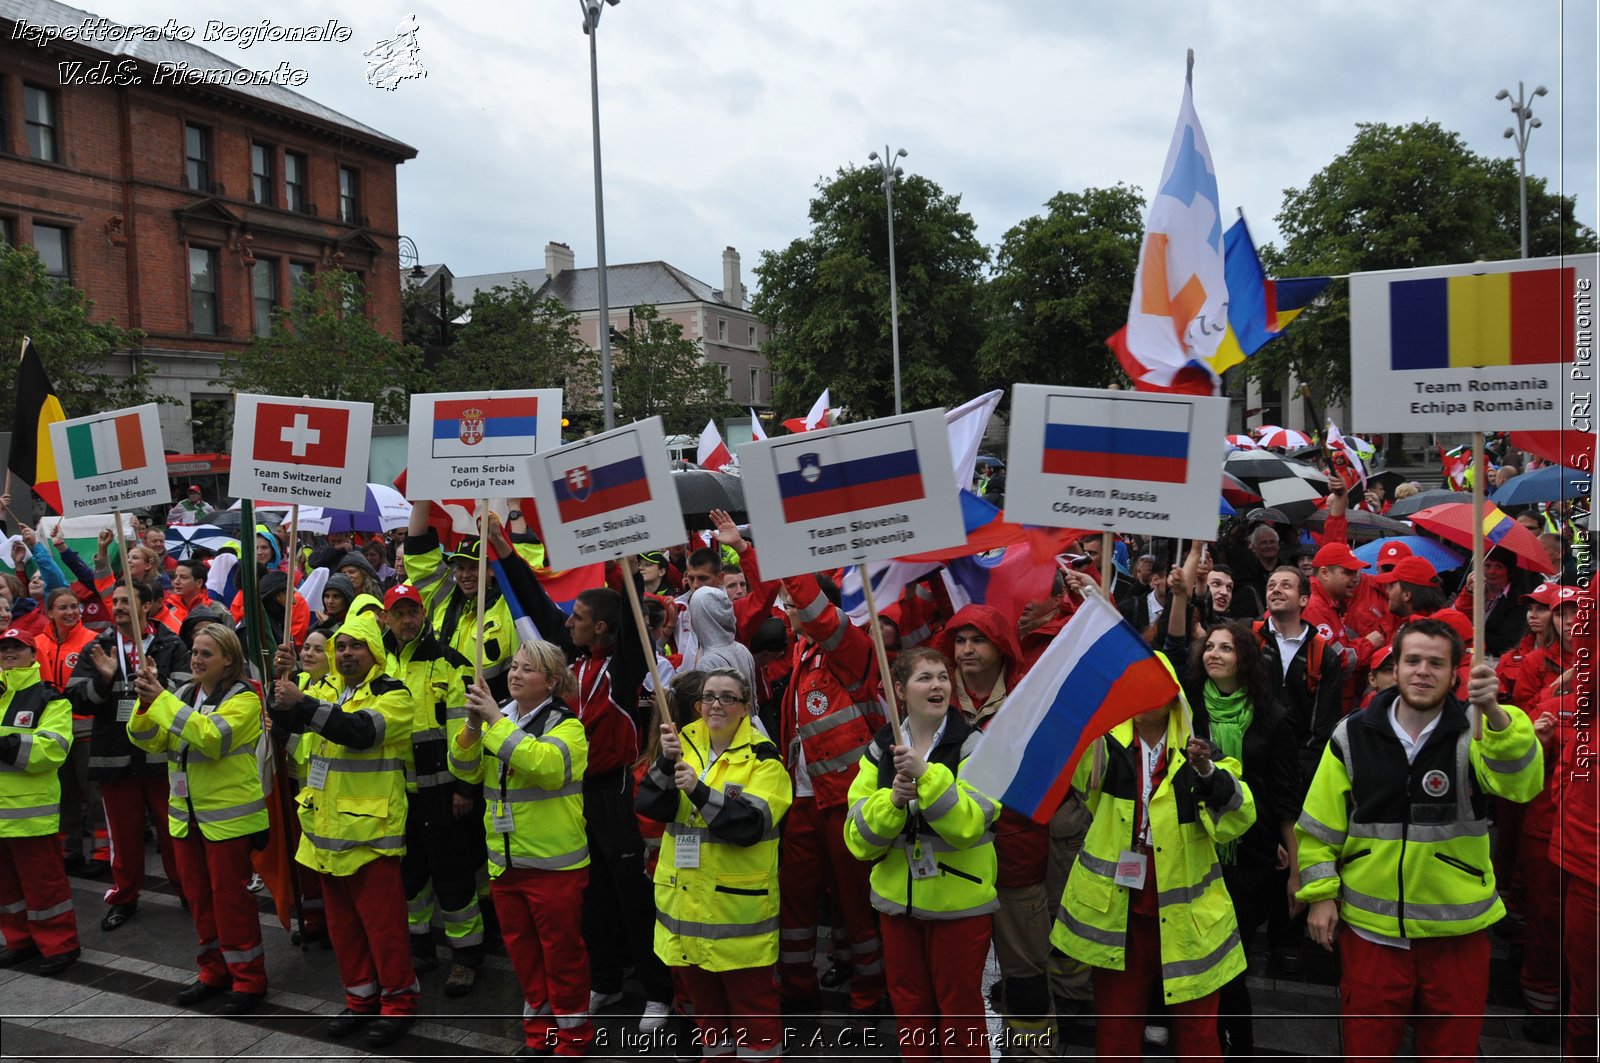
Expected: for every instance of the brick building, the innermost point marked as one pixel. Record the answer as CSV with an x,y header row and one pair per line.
x,y
186,210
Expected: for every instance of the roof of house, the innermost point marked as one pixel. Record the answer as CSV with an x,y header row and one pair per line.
x,y
465,289
630,284
52,15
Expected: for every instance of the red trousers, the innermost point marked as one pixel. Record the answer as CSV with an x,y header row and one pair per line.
x,y
1541,942
35,897
366,915
1122,999
224,911
541,917
1443,982
127,801
937,989
813,858
736,1012
1580,916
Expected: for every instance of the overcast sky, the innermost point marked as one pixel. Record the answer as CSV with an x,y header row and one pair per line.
x,y
719,116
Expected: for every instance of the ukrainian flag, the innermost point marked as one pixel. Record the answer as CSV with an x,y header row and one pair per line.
x,y
1259,308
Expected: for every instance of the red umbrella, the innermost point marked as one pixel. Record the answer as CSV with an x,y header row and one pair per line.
x,y
1237,492
1452,522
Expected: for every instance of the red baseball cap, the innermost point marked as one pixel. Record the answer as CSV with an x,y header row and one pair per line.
x,y
1381,657
401,592
1391,553
1409,570
194,487
1338,554
16,634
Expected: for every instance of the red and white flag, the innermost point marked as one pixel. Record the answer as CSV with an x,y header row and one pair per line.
x,y
757,430
1345,459
820,416
301,434
712,453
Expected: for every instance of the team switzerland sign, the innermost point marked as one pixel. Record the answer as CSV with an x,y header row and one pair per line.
x,y
293,450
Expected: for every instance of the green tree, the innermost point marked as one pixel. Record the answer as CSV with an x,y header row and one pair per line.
x,y
324,347
1399,197
74,349
825,298
420,324
656,370
515,340
1060,287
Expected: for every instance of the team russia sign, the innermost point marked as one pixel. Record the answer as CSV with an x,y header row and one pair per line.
x,y
860,492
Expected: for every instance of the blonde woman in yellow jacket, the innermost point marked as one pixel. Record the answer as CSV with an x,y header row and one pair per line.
x,y
722,790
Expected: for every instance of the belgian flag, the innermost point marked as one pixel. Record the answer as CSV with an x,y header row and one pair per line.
x,y
32,458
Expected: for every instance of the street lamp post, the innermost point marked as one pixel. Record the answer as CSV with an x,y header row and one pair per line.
x,y
1526,124
890,171
591,25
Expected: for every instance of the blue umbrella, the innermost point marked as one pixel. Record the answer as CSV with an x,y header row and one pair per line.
x,y
1443,558
1549,484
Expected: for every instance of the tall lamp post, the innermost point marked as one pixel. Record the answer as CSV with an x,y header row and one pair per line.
x,y
591,26
890,171
1526,124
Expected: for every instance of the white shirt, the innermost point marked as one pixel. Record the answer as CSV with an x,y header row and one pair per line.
x,y
1412,746
1288,647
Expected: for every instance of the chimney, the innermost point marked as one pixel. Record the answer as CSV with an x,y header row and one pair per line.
x,y
557,257
732,288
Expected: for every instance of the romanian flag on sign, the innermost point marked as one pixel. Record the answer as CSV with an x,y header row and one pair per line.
x,y
1484,319
32,457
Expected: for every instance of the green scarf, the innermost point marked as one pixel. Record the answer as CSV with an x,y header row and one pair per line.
x,y
1229,716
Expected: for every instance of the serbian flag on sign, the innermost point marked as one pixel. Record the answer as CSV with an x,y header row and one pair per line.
x,y
489,427
1179,310
1096,673
301,434
611,477
857,470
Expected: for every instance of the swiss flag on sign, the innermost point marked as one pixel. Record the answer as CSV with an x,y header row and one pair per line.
x,y
301,434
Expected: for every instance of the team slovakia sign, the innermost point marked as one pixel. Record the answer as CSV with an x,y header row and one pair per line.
x,y
607,496
1483,346
1124,461
859,492
302,451
475,444
111,461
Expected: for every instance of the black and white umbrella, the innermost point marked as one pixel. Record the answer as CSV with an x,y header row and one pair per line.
x,y
1422,500
1283,483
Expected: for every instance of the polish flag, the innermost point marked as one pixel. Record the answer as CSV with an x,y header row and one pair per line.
x,y
301,434
819,417
713,453
757,430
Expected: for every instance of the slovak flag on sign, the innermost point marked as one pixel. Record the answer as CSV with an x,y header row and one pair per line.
x,y
611,477
301,434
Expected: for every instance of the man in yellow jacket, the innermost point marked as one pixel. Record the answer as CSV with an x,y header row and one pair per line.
x,y
35,737
1394,841
353,820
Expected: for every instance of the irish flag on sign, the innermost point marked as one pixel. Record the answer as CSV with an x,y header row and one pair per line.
x,y
111,444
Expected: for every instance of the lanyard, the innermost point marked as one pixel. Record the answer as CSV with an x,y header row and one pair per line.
x,y
123,657
1150,758
584,695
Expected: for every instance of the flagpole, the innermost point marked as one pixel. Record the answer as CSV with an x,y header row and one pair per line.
x,y
483,579
133,599
1105,552
662,714
23,353
1477,565
883,658
294,551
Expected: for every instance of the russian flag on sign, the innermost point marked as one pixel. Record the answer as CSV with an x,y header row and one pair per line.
x,y
851,470
487,427
1097,437
601,477
1096,673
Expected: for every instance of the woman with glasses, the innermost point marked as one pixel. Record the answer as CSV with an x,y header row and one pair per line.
x,y
721,789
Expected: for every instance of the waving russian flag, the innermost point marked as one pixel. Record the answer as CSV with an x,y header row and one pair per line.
x,y
1095,674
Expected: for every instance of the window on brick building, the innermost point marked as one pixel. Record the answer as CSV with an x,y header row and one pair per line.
x,y
5,230
299,284
722,330
727,377
203,291
39,113
752,340
197,157
755,384
349,196
54,247
210,420
294,181
264,293
261,174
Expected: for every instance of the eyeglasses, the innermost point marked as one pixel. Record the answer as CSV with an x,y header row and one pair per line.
x,y
725,700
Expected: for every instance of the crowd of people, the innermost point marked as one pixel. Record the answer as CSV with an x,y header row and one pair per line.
x,y
1337,764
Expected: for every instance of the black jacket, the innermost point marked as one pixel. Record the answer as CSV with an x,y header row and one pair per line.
x,y
111,755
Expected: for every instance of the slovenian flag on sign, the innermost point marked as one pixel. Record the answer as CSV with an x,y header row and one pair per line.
x,y
113,444
611,476
1095,437
486,427
1096,673
850,471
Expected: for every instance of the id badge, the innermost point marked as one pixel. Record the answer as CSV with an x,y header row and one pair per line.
x,y
180,785
319,774
1131,869
502,818
923,864
686,851
125,707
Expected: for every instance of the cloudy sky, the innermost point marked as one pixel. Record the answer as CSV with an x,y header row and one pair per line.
x,y
719,116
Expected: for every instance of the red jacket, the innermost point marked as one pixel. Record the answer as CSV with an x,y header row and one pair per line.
x,y
1509,667
58,657
834,703
1368,608
1355,652
1539,669
1574,845
613,739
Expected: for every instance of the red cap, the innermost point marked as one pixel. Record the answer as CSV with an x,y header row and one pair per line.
x,y
401,592
16,634
1409,570
1554,595
1338,554
1458,622
1381,657
194,487
1391,553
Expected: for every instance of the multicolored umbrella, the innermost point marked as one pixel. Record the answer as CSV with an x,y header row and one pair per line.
x,y
1237,492
1271,436
1453,524
184,539
1422,500
1241,442
1292,486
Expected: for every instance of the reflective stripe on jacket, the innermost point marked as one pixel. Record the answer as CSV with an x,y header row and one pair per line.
x,y
30,785
212,776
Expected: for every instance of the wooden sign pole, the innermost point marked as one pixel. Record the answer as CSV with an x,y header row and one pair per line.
x,y
662,713
1478,474
883,659
134,603
483,587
